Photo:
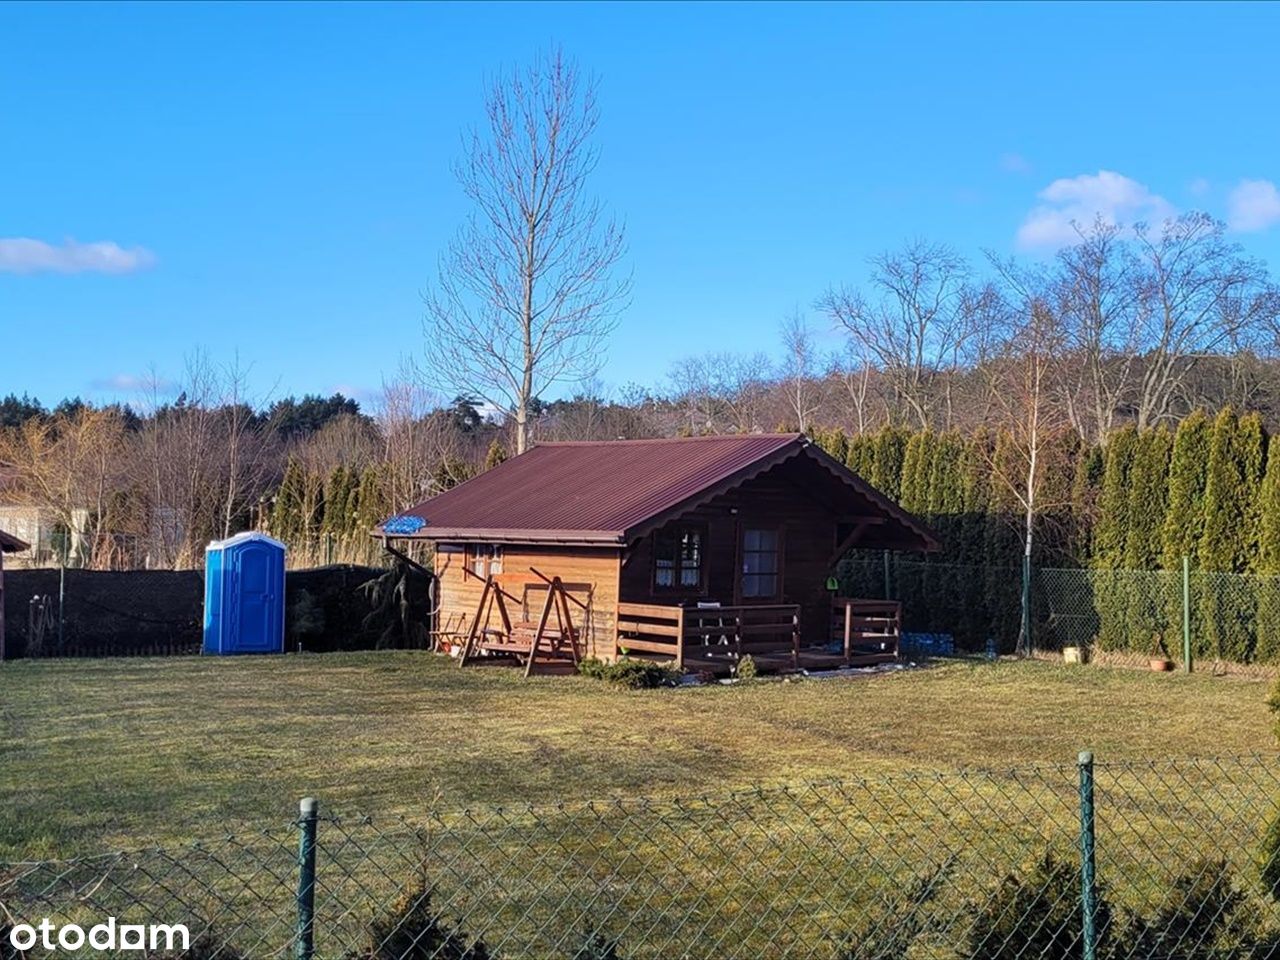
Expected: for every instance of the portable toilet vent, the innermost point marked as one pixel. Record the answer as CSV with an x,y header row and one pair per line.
x,y
244,595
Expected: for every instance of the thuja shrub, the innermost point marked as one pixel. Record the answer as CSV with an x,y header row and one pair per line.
x,y
1037,913
409,928
596,946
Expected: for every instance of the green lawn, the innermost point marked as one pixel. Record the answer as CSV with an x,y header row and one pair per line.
x,y
106,753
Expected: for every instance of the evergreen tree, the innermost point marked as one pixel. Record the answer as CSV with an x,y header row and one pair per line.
x,y
497,454
1253,456
339,503
946,586
1148,500
1146,591
1268,648
1230,538
1086,488
913,493
287,512
1111,530
861,455
890,448
1004,546
373,505
946,484
837,444
1188,474
1234,474
1109,543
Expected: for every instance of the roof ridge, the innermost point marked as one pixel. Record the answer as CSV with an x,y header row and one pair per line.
x,y
654,440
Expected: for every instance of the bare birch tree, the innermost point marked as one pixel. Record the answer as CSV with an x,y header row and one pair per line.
x,y
1029,416
799,364
528,291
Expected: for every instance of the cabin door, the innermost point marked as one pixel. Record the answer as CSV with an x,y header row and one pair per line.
x,y
759,564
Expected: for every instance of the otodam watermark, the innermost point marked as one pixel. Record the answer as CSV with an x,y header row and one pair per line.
x,y
107,935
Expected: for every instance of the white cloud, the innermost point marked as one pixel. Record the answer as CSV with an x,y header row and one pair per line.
x,y
24,255
1199,186
1253,205
1014,163
129,383
1080,200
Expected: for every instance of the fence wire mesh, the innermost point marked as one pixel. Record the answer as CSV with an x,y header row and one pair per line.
x,y
1121,616
956,865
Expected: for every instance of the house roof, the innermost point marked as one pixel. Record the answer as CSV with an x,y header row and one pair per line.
x,y
11,544
610,492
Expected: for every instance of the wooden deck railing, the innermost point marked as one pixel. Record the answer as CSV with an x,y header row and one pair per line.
x,y
868,631
696,636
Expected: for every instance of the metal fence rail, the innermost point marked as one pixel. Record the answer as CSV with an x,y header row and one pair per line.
x,y
1138,861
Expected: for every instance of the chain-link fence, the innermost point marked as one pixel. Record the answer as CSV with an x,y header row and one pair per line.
x,y
1142,861
1228,621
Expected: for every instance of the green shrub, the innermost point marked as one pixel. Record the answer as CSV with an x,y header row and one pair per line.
x,y
1037,914
305,618
889,932
634,674
596,946
409,929
1196,921
747,669
1269,854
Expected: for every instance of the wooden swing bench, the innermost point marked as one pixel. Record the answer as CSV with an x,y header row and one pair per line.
x,y
526,641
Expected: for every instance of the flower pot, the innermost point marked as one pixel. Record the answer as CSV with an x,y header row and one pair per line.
x,y
1161,665
1073,655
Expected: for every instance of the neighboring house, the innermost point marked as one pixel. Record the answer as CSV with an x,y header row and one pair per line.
x,y
691,550
48,539
8,544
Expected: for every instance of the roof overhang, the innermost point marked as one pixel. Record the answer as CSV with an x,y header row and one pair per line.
x,y
11,544
559,538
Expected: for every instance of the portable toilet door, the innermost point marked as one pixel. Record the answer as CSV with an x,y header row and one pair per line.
x,y
244,590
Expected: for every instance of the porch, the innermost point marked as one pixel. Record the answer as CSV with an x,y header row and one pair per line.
x,y
708,638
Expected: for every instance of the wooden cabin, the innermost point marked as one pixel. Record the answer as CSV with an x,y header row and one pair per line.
x,y
695,551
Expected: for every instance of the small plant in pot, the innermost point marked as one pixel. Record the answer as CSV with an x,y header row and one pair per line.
x,y
1161,661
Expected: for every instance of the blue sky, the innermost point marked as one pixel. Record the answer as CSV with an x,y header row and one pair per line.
x,y
274,180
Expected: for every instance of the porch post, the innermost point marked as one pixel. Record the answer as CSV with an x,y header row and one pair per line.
x,y
680,638
848,630
795,638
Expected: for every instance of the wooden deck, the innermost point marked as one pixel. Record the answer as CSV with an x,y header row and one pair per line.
x,y
715,639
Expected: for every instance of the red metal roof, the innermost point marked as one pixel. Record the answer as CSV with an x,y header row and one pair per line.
x,y
600,491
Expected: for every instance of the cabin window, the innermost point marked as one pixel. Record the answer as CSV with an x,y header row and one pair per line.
x,y
760,564
678,558
484,559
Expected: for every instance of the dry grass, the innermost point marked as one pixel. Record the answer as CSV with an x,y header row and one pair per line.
x,y
112,753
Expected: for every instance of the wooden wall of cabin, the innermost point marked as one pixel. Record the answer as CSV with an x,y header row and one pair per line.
x,y
778,499
589,574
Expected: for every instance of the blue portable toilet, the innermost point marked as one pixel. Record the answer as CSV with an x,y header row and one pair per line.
x,y
244,595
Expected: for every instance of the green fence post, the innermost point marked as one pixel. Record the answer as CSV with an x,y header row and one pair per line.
x,y
1186,614
888,592
1088,880
305,946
